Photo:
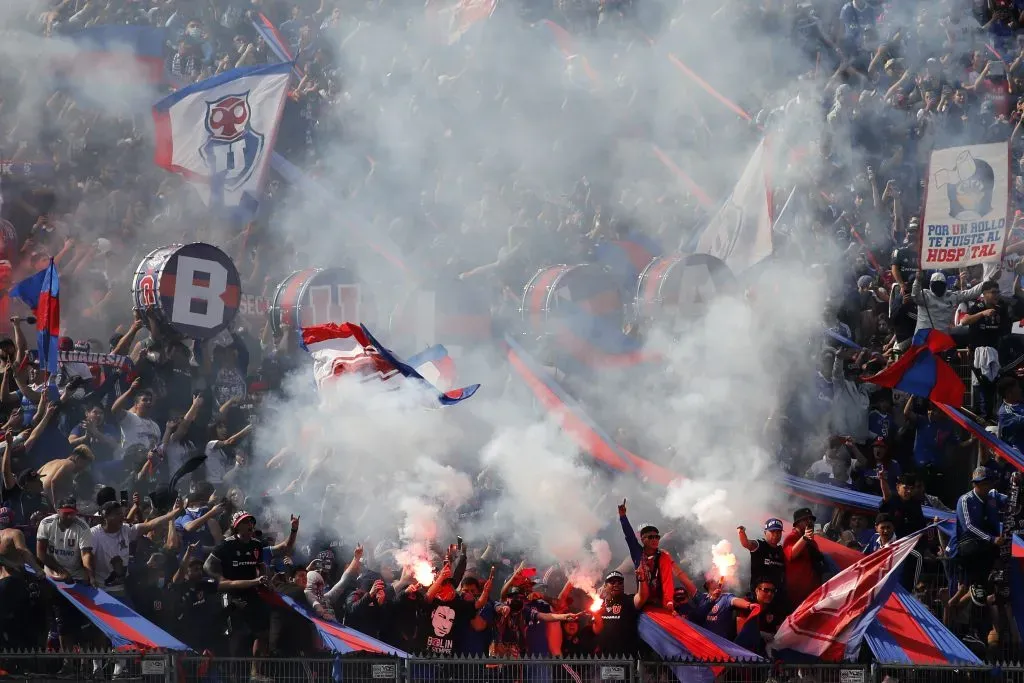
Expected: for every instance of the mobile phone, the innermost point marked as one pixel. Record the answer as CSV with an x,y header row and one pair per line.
x,y
458,543
124,497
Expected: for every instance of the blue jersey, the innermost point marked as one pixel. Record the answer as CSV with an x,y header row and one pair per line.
x,y
721,620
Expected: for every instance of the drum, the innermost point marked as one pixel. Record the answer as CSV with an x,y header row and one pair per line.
x,y
194,288
455,314
315,296
555,293
680,285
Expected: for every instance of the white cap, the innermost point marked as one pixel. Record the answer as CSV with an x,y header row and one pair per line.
x,y
103,246
937,276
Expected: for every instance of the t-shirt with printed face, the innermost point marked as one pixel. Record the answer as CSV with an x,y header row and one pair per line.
x,y
110,549
66,546
440,621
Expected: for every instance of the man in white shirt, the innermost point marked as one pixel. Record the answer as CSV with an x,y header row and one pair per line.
x,y
64,548
110,541
137,429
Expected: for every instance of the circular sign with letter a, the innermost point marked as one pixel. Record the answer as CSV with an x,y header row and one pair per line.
x,y
194,288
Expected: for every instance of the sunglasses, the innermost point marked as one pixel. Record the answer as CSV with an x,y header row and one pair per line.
x,y
765,590
652,536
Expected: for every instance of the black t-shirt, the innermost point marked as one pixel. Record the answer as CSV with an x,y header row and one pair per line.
x,y
14,596
239,560
767,562
23,505
439,622
618,637
197,609
908,517
152,601
988,330
907,259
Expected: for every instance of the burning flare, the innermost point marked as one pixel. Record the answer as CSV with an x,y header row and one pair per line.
x,y
724,560
597,603
415,557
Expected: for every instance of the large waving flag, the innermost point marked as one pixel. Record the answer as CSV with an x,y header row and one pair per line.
x,y
848,499
1004,450
921,372
126,629
336,638
350,350
569,414
675,638
134,52
830,623
906,632
219,134
41,293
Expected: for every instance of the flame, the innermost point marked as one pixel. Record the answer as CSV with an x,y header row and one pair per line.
x,y
423,572
597,604
724,560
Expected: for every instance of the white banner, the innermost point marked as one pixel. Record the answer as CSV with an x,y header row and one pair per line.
x,y
741,232
965,213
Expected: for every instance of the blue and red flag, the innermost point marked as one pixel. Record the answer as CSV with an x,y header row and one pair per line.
x,y
131,51
922,372
569,414
830,624
41,293
992,442
436,366
273,38
336,638
125,628
673,637
848,499
350,350
906,632
1017,581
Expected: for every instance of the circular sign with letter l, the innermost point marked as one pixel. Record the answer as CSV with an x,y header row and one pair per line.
x,y
194,288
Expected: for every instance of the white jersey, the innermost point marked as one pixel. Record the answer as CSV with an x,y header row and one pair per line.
x,y
65,546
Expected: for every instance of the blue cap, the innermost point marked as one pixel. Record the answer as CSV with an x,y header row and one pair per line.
x,y
982,474
773,524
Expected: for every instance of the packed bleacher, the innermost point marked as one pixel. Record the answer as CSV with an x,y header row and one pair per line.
x,y
188,477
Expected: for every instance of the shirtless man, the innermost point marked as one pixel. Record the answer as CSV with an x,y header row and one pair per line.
x,y
12,544
58,476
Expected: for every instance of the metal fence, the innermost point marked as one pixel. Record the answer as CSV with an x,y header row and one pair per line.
x,y
174,668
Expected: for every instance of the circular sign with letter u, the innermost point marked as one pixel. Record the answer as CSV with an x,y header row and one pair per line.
x,y
194,288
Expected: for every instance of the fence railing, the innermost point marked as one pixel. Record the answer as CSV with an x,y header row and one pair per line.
x,y
160,667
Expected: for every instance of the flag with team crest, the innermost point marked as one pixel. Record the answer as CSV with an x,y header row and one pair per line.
x,y
219,134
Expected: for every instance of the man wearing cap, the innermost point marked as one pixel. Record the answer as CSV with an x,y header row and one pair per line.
x,y
660,568
977,532
64,548
111,539
767,559
22,495
237,565
615,623
803,558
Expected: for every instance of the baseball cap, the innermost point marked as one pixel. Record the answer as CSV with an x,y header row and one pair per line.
x,y
647,526
773,524
982,474
613,576
68,505
240,517
937,276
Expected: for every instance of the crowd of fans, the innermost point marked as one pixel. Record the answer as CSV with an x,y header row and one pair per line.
x,y
88,493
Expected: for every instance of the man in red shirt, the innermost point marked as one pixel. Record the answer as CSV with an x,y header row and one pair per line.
x,y
803,558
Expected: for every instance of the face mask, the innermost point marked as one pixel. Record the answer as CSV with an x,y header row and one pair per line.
x,y
938,288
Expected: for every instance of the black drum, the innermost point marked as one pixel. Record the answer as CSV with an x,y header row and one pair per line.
x,y
194,288
315,296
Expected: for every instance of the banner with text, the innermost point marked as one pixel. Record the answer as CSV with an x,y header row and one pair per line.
x,y
965,215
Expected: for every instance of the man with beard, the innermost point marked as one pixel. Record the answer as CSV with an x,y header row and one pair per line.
x,y
615,623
